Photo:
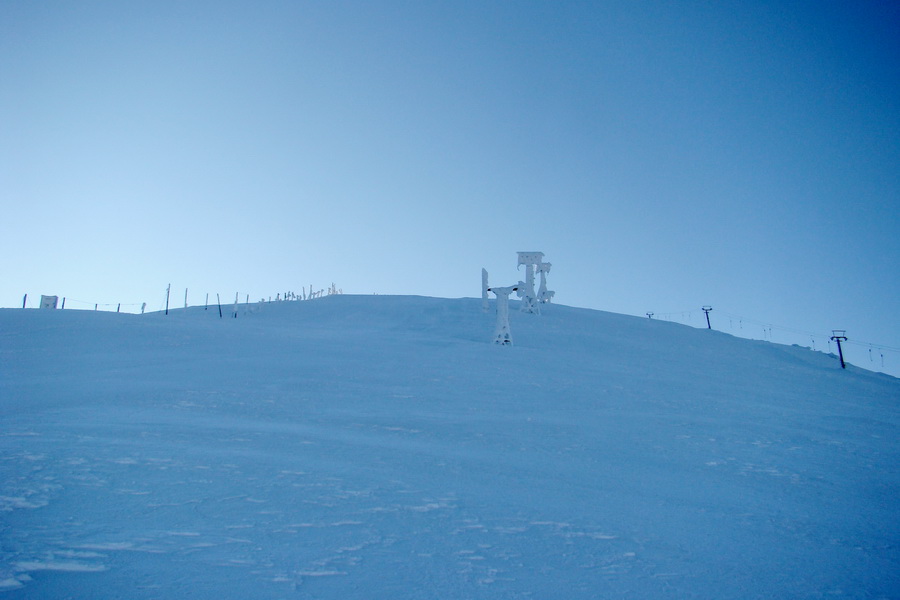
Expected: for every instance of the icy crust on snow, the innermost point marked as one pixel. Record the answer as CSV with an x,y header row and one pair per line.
x,y
384,447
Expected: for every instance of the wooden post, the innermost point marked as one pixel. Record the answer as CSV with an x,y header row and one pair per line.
x,y
168,289
219,302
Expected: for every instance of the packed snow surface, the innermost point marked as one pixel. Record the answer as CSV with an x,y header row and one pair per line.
x,y
383,447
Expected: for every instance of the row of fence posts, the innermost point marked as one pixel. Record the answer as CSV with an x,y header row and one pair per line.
x,y
287,295
51,302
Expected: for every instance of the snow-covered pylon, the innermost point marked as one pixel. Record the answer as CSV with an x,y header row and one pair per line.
x,y
544,296
502,334
530,302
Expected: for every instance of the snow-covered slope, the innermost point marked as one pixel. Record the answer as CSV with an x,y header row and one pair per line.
x,y
382,447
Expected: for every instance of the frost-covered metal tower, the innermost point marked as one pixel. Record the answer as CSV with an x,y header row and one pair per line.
x,y
502,334
530,302
544,296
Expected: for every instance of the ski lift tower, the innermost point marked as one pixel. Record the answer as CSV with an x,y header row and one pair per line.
x,y
544,296
840,335
531,260
502,335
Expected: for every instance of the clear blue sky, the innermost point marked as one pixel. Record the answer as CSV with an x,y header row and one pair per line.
x,y
663,155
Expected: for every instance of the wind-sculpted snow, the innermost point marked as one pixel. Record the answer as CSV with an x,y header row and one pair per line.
x,y
384,447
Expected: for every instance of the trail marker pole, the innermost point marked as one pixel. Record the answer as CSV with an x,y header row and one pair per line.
x,y
168,289
706,310
838,336
185,297
63,304
206,302
219,302
24,300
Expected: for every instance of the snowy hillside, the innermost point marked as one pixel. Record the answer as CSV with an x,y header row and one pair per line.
x,y
382,447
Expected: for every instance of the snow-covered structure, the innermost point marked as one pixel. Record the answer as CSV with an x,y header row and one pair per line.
x,y
544,296
526,288
502,334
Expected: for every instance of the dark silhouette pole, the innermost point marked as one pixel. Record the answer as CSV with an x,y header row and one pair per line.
x,y
649,315
168,289
838,336
706,310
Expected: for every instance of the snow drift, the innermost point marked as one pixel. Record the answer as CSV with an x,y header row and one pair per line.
x,y
382,447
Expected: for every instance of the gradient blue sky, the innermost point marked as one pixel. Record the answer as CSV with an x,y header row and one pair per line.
x,y
663,155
